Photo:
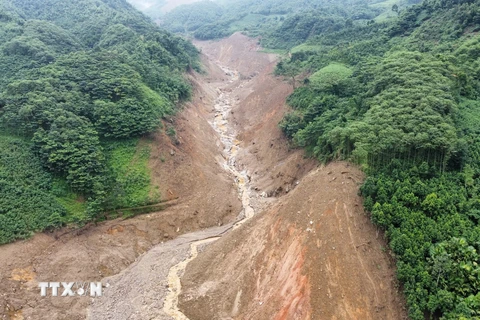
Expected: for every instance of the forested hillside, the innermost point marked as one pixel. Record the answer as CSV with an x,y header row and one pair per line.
x,y
280,24
81,82
400,98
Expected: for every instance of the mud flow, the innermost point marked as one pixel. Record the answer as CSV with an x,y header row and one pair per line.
x,y
223,107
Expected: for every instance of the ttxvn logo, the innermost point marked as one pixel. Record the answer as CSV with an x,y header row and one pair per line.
x,y
71,289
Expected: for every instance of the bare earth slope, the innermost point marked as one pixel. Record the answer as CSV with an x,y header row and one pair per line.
x,y
273,167
313,254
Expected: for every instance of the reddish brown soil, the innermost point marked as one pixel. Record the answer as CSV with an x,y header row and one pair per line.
x,y
273,166
313,253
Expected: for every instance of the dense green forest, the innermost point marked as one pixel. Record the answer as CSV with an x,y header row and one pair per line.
x,y
82,82
400,98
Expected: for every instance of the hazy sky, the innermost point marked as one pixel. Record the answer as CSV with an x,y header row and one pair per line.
x,y
169,4
142,4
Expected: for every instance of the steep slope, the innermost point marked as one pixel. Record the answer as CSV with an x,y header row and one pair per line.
x,y
260,105
400,99
314,255
81,82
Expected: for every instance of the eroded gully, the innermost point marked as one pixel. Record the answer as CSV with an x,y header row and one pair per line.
x,y
224,104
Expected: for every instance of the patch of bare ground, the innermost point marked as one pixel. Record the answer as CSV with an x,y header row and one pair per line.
x,y
274,168
313,255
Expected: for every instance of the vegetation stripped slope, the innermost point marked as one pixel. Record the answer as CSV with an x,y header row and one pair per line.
x,y
400,98
80,78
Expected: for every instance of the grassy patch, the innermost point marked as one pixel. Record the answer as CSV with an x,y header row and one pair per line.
x,y
74,203
248,21
254,24
129,176
386,6
306,48
33,200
